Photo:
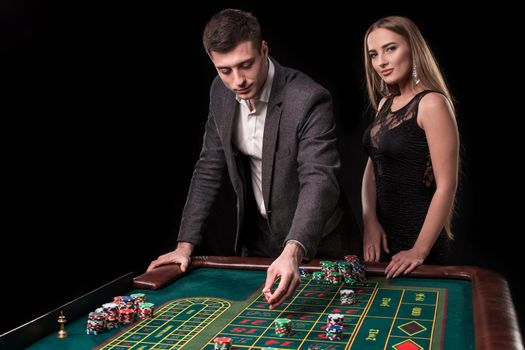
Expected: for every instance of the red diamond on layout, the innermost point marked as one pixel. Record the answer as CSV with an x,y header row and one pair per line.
x,y
407,345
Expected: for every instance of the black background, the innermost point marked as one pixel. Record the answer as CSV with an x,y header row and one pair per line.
x,y
103,107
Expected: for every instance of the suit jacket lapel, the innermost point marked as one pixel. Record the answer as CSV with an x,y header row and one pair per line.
x,y
228,118
271,133
230,152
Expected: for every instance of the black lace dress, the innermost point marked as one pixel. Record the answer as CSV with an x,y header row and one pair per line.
x,y
404,178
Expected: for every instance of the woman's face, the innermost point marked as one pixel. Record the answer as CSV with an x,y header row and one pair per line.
x,y
390,56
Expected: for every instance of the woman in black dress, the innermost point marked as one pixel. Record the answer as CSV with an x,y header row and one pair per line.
x,y
410,180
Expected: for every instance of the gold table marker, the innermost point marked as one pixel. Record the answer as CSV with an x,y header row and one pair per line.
x,y
62,333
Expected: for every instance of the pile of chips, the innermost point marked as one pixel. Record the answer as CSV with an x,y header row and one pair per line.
x,y
350,270
222,343
283,327
121,311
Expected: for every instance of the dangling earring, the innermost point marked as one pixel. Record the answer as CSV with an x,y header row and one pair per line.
x,y
415,77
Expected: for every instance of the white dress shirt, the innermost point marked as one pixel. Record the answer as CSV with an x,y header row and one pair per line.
x,y
248,138
249,132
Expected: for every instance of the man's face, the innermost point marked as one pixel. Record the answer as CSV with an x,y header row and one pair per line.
x,y
243,69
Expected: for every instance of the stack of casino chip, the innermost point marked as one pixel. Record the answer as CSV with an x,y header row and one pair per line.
x,y
283,327
126,299
334,332
96,323
344,267
351,279
354,272
222,343
352,258
121,311
318,276
119,302
334,326
138,298
335,320
359,272
334,278
348,297
126,316
111,310
124,302
328,267
145,310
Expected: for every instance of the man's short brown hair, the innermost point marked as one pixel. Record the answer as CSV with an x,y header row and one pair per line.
x,y
228,28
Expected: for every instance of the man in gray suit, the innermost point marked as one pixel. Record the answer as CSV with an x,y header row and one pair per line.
x,y
272,129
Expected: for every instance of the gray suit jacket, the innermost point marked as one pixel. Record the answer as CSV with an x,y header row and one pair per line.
x,y
299,163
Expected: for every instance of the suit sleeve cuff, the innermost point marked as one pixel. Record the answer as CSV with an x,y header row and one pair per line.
x,y
306,255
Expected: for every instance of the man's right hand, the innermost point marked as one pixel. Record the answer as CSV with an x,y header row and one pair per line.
x,y
181,255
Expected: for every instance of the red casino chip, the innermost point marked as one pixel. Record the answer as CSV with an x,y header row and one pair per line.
x,y
267,294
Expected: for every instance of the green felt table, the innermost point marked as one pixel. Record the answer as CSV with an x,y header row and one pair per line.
x,y
221,297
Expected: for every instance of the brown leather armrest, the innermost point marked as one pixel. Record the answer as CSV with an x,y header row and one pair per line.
x,y
164,275
159,277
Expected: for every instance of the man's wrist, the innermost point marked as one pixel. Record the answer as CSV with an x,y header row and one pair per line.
x,y
300,248
185,247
